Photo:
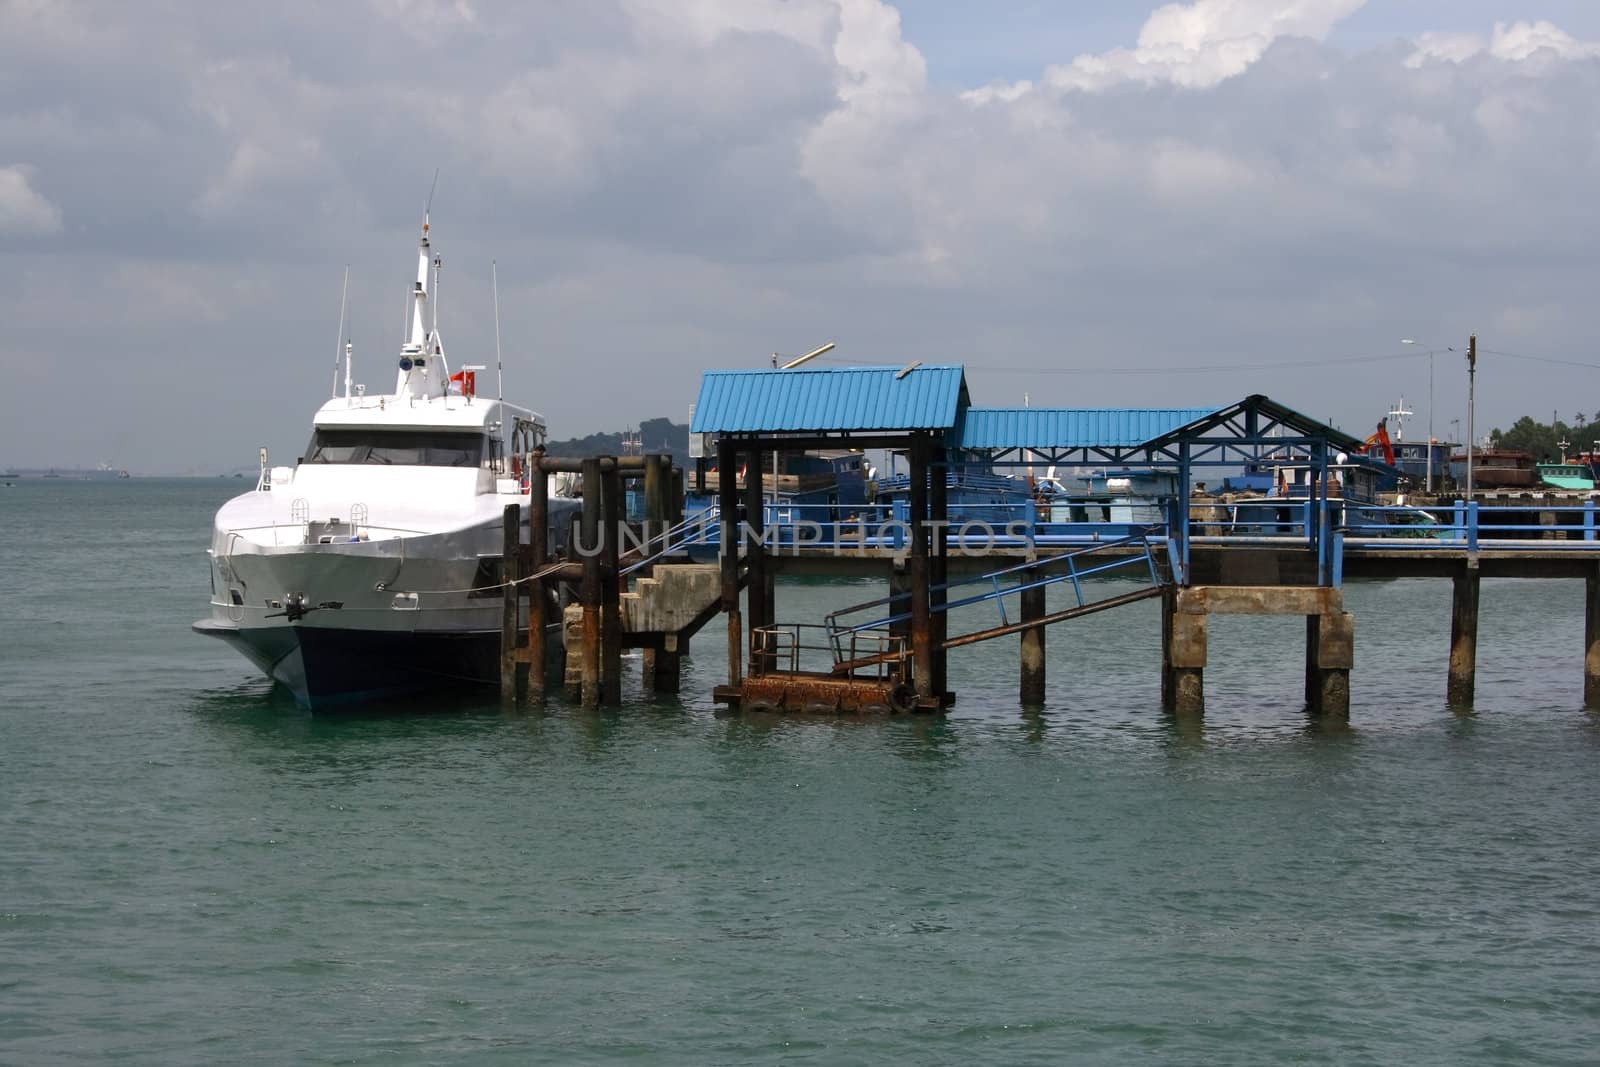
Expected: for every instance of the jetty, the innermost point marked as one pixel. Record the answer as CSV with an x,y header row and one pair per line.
x,y
652,577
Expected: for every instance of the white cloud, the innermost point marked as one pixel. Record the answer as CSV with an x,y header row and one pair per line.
x,y
1513,42
22,209
875,59
1200,44
709,180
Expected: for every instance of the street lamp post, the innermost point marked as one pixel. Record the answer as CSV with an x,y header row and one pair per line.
x,y
1472,374
1431,352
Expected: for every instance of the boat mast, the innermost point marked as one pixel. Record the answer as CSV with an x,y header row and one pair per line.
x,y
420,342
499,361
344,296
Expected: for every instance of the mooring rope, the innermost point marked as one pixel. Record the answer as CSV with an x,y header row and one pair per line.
x,y
535,576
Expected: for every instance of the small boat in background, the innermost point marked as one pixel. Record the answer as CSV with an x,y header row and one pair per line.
x,y
1496,468
1573,477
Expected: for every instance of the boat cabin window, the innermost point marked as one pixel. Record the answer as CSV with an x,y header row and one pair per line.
x,y
417,448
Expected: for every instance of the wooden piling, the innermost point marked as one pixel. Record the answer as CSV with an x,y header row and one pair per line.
x,y
900,603
1169,608
938,575
538,555
589,590
655,502
1032,682
757,587
728,556
1591,639
613,513
1313,638
662,668
1463,639
511,543
917,568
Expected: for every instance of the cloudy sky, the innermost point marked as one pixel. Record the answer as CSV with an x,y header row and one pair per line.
x,y
1090,202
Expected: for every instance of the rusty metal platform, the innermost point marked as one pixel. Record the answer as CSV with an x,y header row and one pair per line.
x,y
819,693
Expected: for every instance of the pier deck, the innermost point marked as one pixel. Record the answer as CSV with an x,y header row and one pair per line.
x,y
1201,554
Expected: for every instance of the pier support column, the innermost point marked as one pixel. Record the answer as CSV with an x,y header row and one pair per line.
x,y
1463,639
938,575
1313,639
1032,683
662,667
615,510
589,591
900,602
758,585
921,633
1591,640
1169,608
728,555
1186,653
511,543
1330,654
537,592
657,496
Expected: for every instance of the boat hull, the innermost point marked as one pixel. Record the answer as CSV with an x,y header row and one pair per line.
x,y
341,622
329,667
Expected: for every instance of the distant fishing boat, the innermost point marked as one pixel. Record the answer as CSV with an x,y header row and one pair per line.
x,y
1569,476
1496,468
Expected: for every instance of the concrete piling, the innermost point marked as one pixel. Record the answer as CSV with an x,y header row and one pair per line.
x,y
1186,658
1329,659
1330,641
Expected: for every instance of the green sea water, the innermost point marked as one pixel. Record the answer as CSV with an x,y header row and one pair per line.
x,y
192,870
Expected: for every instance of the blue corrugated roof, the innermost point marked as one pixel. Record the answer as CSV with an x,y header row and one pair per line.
x,y
1071,427
829,399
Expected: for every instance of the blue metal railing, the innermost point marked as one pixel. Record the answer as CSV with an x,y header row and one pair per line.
x,y
1034,574
1328,530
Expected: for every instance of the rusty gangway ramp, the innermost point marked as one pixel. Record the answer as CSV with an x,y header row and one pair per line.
x,y
873,662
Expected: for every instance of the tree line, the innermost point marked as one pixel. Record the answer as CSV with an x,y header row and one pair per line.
x,y
1544,439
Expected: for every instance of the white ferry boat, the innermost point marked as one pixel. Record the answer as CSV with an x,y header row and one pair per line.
x,y
369,568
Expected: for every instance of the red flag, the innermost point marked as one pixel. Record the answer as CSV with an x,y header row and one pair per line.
x,y
467,380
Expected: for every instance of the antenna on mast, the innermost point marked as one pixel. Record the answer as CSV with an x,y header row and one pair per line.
x,y
343,296
428,207
438,266
499,364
